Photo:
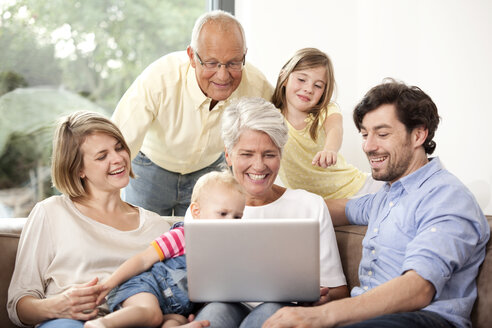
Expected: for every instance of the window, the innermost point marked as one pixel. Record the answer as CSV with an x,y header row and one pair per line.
x,y
59,56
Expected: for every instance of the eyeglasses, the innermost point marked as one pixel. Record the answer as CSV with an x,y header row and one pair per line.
x,y
213,66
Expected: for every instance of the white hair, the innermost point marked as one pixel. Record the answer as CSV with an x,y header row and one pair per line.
x,y
253,114
217,16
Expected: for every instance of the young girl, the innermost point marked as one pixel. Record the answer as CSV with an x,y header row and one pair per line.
x,y
310,159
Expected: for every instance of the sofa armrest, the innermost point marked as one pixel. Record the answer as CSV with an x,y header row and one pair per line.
x,y
481,315
10,230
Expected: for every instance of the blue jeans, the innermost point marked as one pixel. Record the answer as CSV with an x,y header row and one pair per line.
x,y
166,280
62,323
162,191
416,319
230,315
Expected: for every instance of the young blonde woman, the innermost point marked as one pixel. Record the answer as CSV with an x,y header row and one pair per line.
x,y
72,241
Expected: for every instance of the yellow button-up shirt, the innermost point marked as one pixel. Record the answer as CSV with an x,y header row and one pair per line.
x,y
165,114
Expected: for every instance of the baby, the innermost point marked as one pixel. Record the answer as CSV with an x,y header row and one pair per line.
x,y
153,283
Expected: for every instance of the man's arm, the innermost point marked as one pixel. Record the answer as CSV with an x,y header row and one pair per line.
x,y
408,292
337,211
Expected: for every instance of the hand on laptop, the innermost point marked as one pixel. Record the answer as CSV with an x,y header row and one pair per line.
x,y
323,298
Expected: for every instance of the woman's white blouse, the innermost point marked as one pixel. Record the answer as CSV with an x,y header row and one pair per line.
x,y
60,247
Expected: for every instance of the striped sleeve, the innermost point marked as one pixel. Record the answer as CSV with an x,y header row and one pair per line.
x,y
170,244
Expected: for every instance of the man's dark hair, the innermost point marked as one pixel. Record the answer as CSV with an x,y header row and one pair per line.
x,y
414,108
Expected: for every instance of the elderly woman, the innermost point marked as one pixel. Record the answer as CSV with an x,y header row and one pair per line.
x,y
72,241
254,134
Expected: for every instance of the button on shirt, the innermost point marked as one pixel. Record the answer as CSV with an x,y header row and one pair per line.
x,y
428,222
165,114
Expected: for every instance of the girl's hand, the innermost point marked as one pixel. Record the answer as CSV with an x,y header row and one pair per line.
x,y
78,302
325,158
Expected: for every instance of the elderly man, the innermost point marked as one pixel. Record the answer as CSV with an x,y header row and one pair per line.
x,y
170,115
426,233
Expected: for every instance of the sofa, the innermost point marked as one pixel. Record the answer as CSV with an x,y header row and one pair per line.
x,y
349,240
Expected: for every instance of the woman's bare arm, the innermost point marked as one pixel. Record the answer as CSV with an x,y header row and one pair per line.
x,y
78,302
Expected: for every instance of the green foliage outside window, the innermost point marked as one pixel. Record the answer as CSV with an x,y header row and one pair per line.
x,y
63,49
96,47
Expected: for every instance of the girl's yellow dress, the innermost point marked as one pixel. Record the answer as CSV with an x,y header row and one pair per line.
x,y
341,180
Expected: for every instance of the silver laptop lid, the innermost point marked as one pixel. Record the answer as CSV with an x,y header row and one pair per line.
x,y
257,260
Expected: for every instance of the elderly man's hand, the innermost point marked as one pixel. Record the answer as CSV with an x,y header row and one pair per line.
x,y
299,317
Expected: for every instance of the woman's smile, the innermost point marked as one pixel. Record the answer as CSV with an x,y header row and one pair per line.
x,y
255,161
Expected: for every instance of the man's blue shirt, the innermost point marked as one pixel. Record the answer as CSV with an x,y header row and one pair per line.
x,y
429,222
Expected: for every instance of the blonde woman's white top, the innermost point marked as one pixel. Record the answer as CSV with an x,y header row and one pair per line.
x,y
60,247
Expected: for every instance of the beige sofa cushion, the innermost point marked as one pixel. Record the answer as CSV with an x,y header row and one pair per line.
x,y
482,310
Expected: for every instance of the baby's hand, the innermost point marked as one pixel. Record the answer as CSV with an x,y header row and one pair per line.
x,y
105,289
196,324
325,158
177,320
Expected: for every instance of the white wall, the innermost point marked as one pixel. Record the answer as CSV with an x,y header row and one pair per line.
x,y
442,46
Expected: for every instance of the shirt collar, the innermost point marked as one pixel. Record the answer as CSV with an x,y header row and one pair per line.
x,y
414,180
197,94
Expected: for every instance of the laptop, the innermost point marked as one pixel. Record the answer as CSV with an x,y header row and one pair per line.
x,y
253,260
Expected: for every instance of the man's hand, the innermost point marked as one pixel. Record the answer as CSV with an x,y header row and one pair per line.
x,y
296,317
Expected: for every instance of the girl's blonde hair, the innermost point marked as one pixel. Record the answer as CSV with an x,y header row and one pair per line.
x,y
303,59
67,159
